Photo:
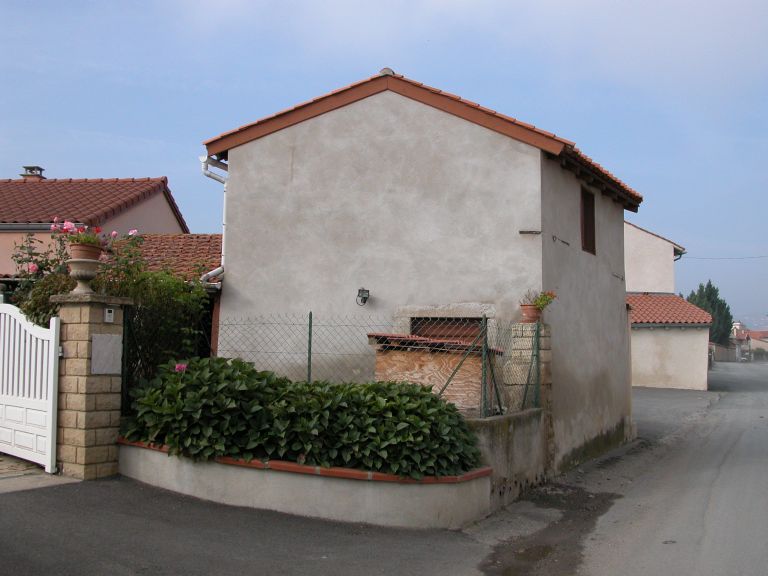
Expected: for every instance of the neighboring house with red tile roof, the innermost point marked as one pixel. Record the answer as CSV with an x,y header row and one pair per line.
x,y
30,203
670,336
433,202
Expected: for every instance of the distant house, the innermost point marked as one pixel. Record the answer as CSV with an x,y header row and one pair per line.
x,y
741,339
669,335
439,208
29,205
759,341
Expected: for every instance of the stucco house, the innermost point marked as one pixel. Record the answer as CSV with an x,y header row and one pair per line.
x,y
669,336
436,205
759,341
741,339
30,203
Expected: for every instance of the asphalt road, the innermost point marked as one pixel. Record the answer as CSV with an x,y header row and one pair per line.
x,y
687,497
700,506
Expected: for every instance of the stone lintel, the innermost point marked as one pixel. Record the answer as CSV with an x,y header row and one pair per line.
x,y
71,298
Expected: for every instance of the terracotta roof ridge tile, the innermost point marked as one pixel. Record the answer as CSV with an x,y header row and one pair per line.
x,y
79,180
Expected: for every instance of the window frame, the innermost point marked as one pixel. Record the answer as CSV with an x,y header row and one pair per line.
x,y
588,222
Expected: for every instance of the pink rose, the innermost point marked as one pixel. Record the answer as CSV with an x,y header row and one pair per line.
x,y
54,227
133,232
180,367
68,226
33,268
113,233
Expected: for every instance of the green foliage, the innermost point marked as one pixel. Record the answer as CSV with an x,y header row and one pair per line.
x,y
164,322
122,269
220,407
707,297
37,305
35,259
760,354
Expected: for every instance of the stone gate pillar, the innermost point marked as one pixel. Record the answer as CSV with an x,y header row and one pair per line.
x,y
89,384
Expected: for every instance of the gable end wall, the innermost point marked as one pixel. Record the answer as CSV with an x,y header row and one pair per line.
x,y
416,205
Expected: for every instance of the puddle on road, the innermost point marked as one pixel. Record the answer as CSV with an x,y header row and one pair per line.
x,y
556,550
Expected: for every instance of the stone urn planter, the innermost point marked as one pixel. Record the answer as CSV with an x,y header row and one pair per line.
x,y
83,266
83,270
84,251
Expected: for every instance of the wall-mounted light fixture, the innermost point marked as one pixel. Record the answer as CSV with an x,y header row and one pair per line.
x,y
362,296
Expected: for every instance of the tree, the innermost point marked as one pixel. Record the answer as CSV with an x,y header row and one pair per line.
x,y
708,298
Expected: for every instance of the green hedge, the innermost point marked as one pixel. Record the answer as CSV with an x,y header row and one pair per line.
x,y
217,407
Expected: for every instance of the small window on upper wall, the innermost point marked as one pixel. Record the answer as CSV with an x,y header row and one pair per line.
x,y
588,222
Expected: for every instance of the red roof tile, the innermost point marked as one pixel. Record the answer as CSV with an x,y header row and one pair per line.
x,y
445,101
188,255
90,201
758,334
647,308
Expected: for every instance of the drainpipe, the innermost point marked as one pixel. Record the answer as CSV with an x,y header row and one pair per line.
x,y
205,163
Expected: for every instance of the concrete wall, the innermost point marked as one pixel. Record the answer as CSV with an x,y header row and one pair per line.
x,y
515,446
670,357
649,261
409,505
8,240
414,204
153,216
591,392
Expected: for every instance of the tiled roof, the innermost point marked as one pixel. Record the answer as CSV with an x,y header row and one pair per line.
x,y
741,335
471,111
188,255
90,201
648,308
411,342
758,334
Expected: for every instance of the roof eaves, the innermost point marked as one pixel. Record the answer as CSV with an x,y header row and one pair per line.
x,y
671,324
570,156
399,84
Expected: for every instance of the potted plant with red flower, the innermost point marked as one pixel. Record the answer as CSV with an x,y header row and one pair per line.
x,y
533,303
85,246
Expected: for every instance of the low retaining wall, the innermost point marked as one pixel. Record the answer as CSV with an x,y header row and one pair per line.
x,y
515,447
341,494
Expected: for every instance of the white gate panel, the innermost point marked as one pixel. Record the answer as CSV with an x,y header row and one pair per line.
x,y
29,375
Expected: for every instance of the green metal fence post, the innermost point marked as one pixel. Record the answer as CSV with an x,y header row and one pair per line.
x,y
536,352
309,350
483,392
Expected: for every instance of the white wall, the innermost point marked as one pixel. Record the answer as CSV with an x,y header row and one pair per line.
x,y
591,393
670,357
414,204
649,261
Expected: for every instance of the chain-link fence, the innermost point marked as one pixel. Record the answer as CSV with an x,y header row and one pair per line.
x,y
484,366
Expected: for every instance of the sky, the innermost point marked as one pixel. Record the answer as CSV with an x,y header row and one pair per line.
x,y
671,96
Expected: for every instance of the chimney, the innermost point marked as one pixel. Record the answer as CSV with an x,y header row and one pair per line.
x,y
32,173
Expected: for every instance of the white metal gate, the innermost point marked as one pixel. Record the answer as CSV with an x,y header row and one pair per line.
x,y
29,376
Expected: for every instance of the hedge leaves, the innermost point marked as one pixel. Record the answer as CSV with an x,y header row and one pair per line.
x,y
219,407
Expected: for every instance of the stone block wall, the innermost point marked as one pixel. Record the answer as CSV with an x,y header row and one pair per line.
x,y
89,403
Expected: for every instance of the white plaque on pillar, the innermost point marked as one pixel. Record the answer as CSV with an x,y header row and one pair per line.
x,y
106,354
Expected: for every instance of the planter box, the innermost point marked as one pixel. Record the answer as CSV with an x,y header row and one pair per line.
x,y
341,494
